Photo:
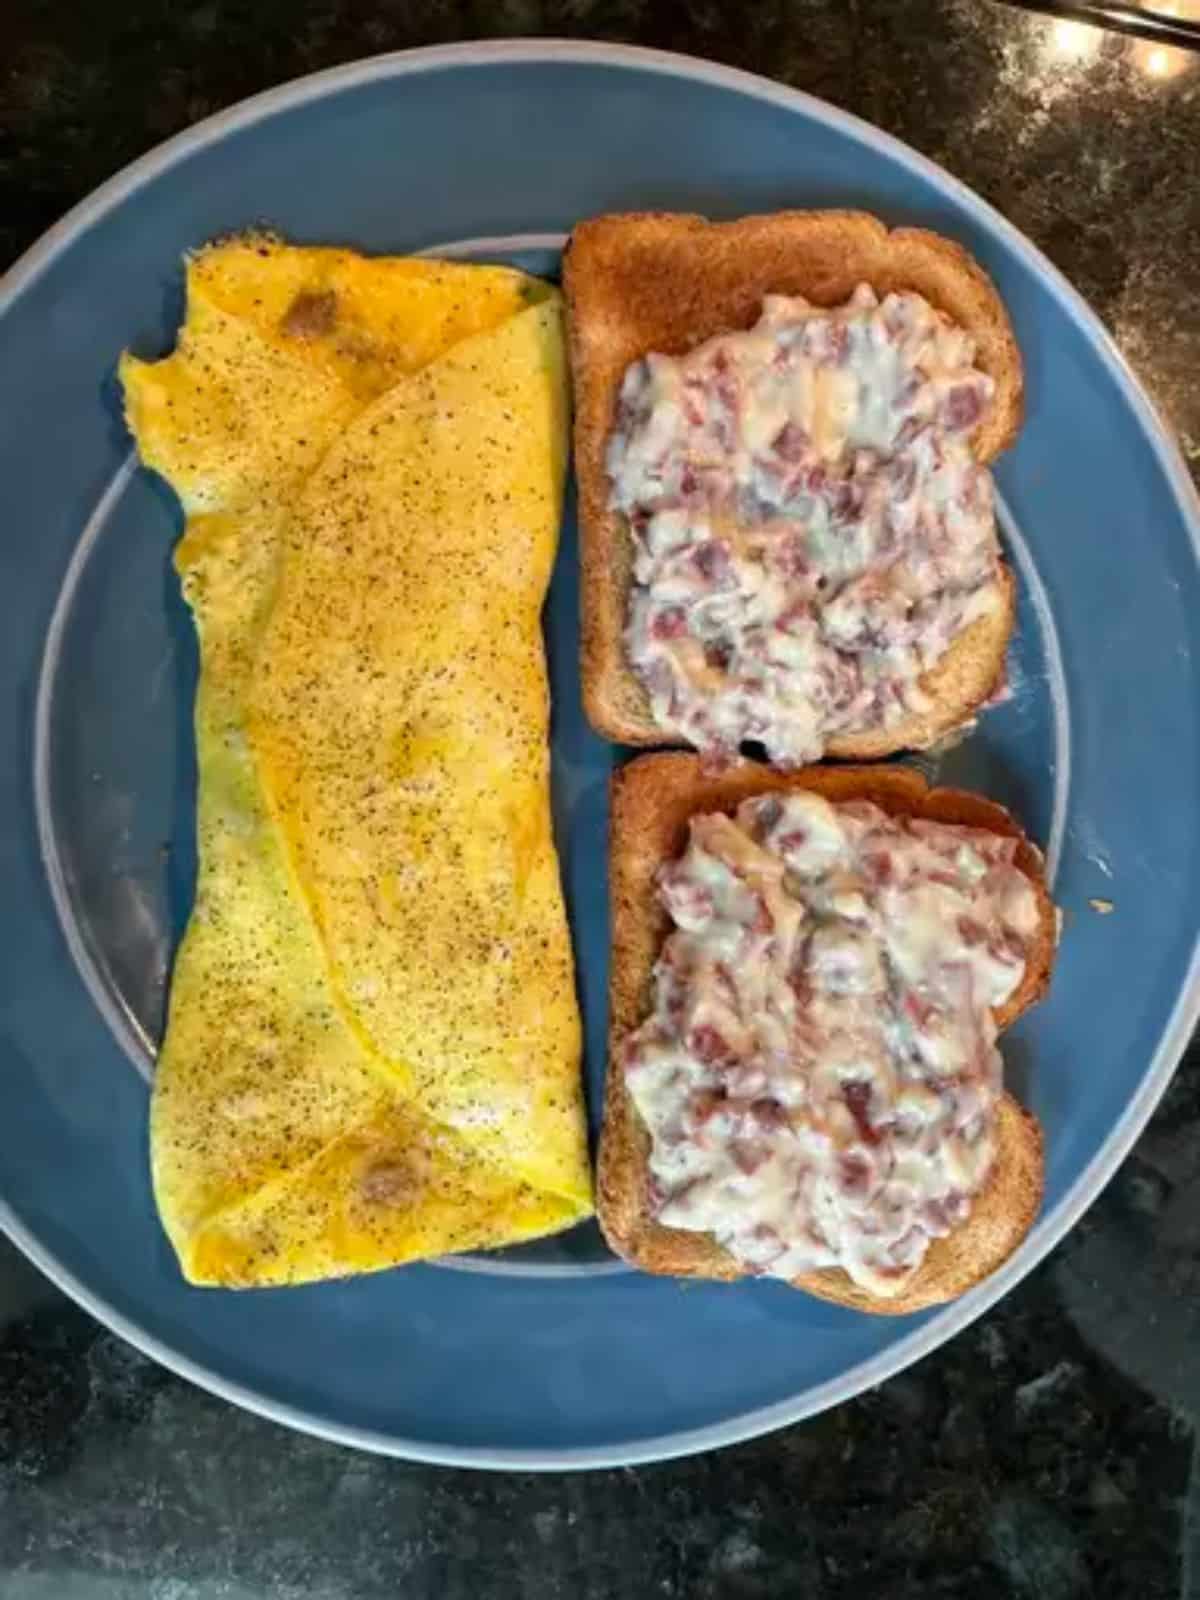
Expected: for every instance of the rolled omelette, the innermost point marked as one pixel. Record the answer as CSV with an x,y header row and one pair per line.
x,y
372,1044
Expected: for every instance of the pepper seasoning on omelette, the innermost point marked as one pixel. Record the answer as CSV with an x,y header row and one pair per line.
x,y
372,1048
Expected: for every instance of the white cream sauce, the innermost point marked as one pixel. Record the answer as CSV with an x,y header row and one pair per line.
x,y
819,1072
811,529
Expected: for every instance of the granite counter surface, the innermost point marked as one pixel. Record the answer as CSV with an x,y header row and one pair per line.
x,y
1048,1452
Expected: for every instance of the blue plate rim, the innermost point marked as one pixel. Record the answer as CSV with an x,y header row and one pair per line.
x,y
1179,1025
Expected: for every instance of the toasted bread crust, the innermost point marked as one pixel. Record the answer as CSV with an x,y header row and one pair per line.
x,y
653,799
659,281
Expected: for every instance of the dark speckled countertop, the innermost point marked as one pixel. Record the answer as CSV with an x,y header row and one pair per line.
x,y
1049,1452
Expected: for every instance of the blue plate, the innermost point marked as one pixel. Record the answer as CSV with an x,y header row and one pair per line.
x,y
555,1355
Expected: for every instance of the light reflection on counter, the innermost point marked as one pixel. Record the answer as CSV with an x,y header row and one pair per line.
x,y
1079,42
1163,61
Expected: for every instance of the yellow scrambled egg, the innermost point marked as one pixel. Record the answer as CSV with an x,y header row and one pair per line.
x,y
372,1049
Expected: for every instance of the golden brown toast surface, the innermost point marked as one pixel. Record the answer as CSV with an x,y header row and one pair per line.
x,y
653,800
666,282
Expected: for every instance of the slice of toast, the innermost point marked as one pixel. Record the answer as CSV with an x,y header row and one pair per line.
x,y
664,282
653,799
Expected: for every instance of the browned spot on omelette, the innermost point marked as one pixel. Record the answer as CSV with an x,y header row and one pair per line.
x,y
311,315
